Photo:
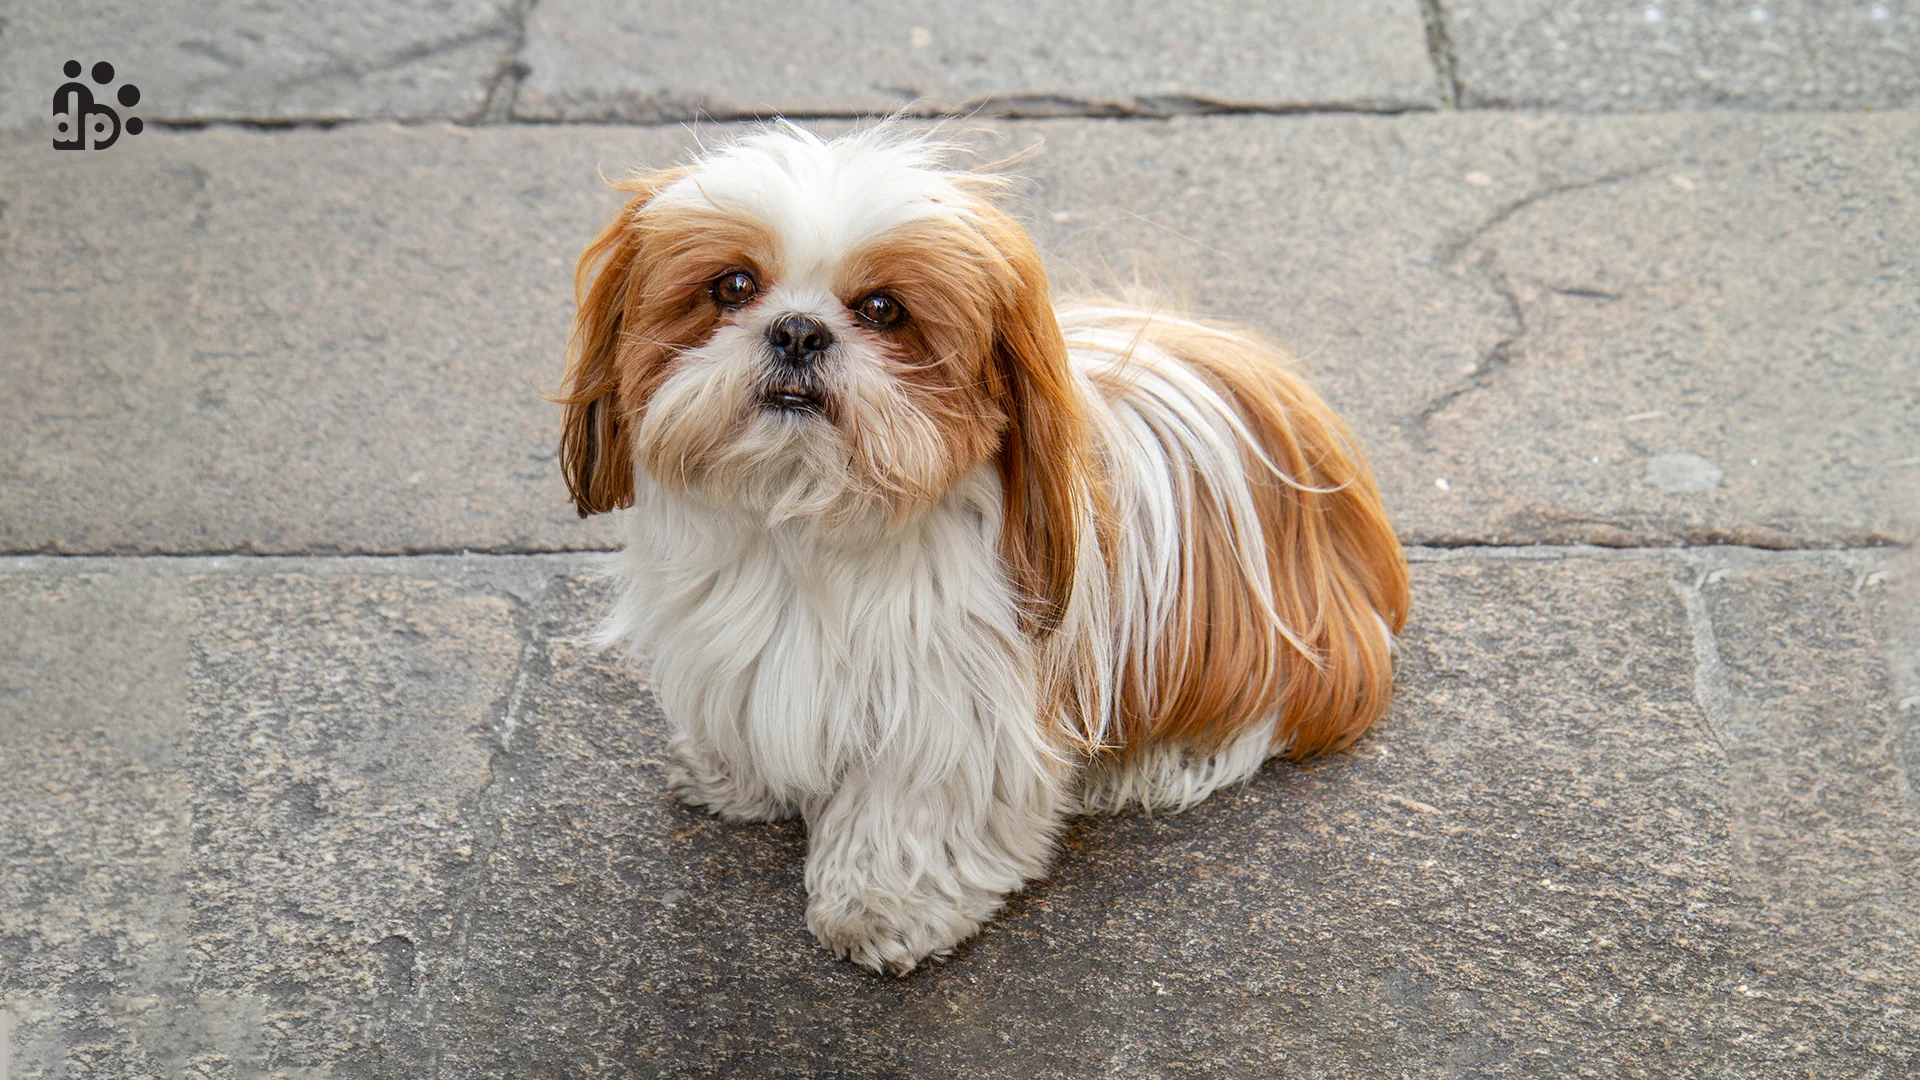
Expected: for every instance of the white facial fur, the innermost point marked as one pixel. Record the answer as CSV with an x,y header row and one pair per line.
x,y
821,202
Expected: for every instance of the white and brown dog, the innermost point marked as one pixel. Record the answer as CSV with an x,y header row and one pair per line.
x,y
933,563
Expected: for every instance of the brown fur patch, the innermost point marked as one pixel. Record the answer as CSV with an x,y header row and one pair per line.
x,y
1331,555
641,288
1046,456
983,356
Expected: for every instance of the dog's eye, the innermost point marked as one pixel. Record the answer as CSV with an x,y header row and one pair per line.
x,y
880,310
733,288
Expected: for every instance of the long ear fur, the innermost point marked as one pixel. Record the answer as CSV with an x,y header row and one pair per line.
x,y
1045,452
595,455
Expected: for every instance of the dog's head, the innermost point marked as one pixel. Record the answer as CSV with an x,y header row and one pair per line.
x,y
825,329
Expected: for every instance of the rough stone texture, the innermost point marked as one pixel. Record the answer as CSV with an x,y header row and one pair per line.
x,y
1551,329
1667,54
598,60
1643,813
322,341
93,718
1821,793
236,795
230,341
1632,815
235,60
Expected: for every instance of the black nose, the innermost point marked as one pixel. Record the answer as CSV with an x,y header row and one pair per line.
x,y
799,338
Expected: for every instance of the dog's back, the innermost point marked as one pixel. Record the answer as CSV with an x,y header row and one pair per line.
x,y
1254,580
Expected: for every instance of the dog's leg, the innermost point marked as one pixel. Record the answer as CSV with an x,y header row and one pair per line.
x,y
900,870
699,777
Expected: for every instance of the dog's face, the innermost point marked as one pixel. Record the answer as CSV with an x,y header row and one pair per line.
x,y
829,330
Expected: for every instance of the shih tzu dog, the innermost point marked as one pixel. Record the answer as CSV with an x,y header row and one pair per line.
x,y
933,563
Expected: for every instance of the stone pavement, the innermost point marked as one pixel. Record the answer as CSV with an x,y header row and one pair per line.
x,y
306,772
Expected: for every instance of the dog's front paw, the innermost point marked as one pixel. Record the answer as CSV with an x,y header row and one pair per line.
x,y
696,776
895,933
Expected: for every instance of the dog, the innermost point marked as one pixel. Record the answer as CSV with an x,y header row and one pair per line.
x,y
932,563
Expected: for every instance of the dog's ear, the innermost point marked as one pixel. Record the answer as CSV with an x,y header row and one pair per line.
x,y
594,452
1045,452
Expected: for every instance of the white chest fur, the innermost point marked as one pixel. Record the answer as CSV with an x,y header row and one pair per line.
x,y
798,653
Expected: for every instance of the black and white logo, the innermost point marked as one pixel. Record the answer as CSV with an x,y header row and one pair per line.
x,y
81,123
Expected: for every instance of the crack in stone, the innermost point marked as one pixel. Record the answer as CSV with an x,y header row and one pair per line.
x,y
1726,553
279,124
1681,539
485,806
319,551
1626,541
1440,51
504,85
1449,253
1711,689
1713,693
1900,636
1491,363
1500,355
1579,292
504,89
414,52
510,714
664,109
1163,105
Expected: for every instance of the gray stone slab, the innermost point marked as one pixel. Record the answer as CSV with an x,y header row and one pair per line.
x,y
1819,763
1642,814
601,60
234,60
1671,329
94,690
326,341
1677,54
318,342
236,794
